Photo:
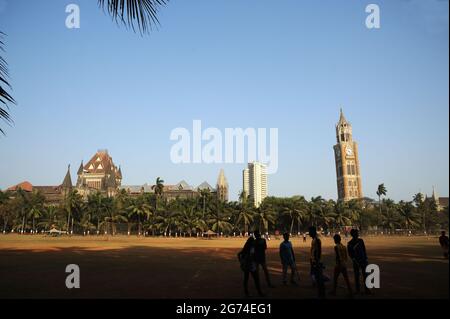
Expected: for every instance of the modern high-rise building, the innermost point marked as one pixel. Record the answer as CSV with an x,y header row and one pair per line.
x,y
347,162
222,187
255,182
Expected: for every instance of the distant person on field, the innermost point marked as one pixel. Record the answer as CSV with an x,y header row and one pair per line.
x,y
443,240
304,237
248,265
357,252
260,256
341,264
287,257
316,261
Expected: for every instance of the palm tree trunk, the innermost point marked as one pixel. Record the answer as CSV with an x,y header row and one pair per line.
x,y
68,221
139,225
379,206
23,224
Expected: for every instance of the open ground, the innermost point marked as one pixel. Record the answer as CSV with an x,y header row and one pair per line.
x,y
131,267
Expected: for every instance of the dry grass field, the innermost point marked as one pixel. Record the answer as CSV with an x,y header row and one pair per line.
x,y
130,267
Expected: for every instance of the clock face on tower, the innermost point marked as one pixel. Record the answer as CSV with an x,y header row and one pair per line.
x,y
349,151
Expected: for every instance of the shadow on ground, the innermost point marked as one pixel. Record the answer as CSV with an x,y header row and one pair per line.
x,y
150,272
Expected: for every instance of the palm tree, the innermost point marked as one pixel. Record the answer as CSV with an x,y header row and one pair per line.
x,y
220,218
264,215
50,219
205,195
315,210
191,221
340,213
420,207
245,215
381,191
158,188
98,208
5,97
295,209
139,209
5,209
72,205
36,208
390,218
354,211
23,202
406,211
86,223
137,14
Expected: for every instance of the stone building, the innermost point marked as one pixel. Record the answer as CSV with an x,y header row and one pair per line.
x,y
348,174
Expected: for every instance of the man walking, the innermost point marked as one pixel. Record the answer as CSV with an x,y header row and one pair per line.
x,y
443,241
288,259
316,262
357,252
260,256
341,265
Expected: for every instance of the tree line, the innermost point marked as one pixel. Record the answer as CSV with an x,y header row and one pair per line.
x,y
152,214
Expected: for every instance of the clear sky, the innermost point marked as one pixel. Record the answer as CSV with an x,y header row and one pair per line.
x,y
286,64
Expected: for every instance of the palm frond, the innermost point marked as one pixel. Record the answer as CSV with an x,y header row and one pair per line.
x,y
137,14
5,97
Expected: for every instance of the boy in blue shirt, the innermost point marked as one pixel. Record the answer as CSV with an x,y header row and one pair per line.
x,y
288,259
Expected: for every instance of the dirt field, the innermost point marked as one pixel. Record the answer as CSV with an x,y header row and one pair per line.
x,y
122,267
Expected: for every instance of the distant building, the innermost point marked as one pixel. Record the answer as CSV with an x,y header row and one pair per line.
x,y
100,174
181,190
348,174
53,194
222,187
441,202
255,182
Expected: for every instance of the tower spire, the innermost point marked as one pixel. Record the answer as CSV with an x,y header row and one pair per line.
x,y
342,119
67,182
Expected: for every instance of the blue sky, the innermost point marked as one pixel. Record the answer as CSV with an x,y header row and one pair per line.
x,y
232,63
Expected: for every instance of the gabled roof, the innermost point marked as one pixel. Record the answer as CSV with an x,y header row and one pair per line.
x,y
100,163
26,186
205,185
183,186
178,187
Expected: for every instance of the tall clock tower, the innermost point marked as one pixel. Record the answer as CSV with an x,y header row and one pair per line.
x,y
347,162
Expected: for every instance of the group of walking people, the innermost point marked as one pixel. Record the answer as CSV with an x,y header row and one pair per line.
x,y
253,256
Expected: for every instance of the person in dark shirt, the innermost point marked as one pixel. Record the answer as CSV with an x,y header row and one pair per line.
x,y
357,253
316,261
248,265
341,265
443,241
260,256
